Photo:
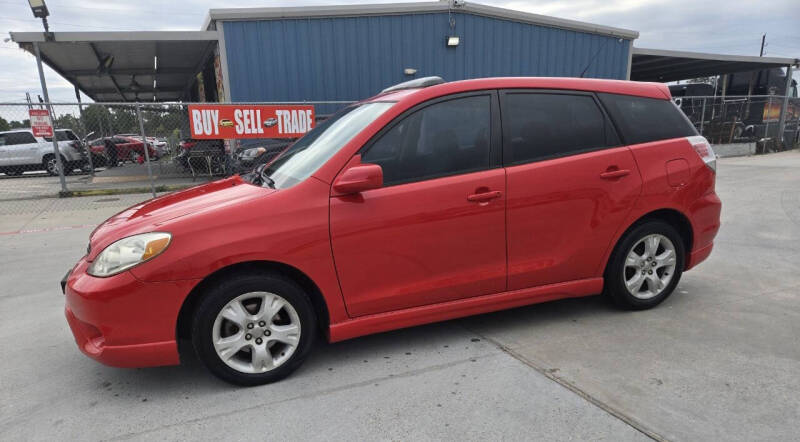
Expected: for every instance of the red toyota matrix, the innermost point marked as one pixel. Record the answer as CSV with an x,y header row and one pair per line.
x,y
428,202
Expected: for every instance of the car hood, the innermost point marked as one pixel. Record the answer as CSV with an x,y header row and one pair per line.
x,y
151,215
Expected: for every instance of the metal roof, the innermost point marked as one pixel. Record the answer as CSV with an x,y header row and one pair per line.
x,y
274,13
663,66
78,55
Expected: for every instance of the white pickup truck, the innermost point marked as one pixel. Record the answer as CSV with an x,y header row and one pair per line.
x,y
20,151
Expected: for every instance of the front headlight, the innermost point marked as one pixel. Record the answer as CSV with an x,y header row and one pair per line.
x,y
129,252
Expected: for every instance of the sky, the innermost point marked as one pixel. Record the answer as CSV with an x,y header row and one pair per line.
x,y
719,26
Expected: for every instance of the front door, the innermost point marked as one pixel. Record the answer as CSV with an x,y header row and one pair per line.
x,y
436,231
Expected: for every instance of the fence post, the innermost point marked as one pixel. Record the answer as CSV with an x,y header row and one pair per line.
x,y
784,105
56,152
146,150
703,116
85,140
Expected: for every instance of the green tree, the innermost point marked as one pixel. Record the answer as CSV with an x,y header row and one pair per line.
x,y
24,124
68,121
96,118
4,124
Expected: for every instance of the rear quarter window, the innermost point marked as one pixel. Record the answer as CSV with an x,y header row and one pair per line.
x,y
641,119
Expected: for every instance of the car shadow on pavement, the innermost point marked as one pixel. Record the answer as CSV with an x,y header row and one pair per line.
x,y
381,355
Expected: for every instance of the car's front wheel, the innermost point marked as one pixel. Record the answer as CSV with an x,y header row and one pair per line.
x,y
646,266
253,329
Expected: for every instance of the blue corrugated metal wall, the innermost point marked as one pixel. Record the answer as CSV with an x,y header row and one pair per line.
x,y
351,58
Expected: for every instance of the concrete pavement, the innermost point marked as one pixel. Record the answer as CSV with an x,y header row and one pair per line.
x,y
718,360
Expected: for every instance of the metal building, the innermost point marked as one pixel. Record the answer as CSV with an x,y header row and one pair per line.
x,y
352,52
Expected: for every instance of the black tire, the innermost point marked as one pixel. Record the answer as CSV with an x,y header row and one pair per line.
x,y
615,274
218,296
53,171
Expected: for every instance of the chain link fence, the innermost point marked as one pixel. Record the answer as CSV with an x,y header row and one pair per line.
x,y
113,149
117,154
754,121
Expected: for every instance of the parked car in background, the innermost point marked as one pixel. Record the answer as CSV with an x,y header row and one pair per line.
x,y
251,153
123,148
419,205
21,151
213,150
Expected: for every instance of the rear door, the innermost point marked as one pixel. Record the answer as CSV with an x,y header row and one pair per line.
x,y
435,231
21,148
569,182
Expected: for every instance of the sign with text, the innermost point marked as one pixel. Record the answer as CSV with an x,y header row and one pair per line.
x,y
40,123
250,121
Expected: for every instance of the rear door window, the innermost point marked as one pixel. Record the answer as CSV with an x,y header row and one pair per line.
x,y
19,138
641,119
538,126
445,138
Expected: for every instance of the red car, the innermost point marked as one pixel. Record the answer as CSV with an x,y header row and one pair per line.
x,y
427,202
127,148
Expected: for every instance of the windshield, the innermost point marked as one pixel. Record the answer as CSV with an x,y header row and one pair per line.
x,y
309,153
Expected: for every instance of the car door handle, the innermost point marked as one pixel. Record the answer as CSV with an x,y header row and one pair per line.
x,y
484,196
612,174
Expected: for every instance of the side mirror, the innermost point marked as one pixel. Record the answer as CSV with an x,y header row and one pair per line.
x,y
358,179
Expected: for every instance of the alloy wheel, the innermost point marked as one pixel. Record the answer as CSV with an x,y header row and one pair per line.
x,y
52,166
649,266
256,332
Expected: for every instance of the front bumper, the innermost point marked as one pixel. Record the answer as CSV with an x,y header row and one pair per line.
x,y
122,321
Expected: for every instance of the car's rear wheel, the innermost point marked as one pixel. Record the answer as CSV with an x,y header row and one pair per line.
x,y
254,329
51,165
646,266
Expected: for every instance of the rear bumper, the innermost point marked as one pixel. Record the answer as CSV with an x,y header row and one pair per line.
x,y
124,322
705,218
698,256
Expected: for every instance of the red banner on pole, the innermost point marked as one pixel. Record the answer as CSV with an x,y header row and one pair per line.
x,y
40,123
250,121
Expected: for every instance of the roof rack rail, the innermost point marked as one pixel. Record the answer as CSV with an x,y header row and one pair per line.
x,y
415,83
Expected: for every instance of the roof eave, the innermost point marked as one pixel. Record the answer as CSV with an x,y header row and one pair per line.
x,y
241,14
716,57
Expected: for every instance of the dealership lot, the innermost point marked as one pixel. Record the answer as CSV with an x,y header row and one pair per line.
x,y
719,359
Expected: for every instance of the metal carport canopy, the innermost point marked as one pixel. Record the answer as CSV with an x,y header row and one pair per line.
x,y
663,66
164,62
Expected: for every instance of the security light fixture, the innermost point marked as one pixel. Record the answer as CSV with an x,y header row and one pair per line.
x,y
453,41
39,8
409,71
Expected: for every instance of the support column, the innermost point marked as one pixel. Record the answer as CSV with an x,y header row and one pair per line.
x,y
784,105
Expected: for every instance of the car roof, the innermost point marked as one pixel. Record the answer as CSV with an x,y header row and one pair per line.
x,y
15,131
636,88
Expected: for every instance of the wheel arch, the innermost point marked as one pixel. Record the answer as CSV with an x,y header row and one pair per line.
x,y
184,322
673,217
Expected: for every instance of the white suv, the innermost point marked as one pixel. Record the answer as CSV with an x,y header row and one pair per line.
x,y
20,151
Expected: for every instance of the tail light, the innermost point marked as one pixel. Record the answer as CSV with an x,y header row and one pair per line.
x,y
704,150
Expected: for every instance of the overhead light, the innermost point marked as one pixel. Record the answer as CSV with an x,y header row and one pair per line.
x,y
39,8
453,41
409,71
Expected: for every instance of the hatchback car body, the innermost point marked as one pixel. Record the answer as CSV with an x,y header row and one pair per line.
x,y
415,206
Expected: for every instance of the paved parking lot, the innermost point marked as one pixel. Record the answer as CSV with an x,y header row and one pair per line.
x,y
718,360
